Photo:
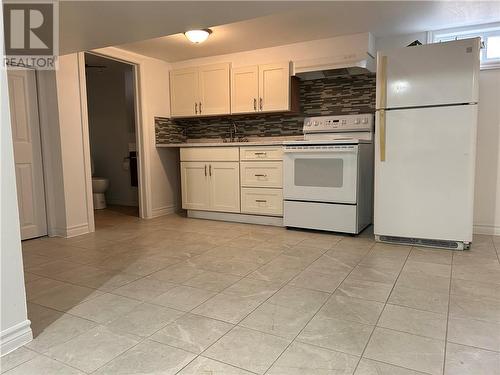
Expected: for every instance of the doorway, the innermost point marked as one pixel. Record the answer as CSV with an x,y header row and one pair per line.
x,y
111,107
26,138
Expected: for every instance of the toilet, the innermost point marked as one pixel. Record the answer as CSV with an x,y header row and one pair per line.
x,y
99,187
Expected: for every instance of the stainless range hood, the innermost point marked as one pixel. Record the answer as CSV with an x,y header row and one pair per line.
x,y
333,66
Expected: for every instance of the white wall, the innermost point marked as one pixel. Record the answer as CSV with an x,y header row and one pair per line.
x,y
15,328
487,188
112,128
161,180
487,193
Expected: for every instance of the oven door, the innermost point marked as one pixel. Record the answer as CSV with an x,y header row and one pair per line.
x,y
321,173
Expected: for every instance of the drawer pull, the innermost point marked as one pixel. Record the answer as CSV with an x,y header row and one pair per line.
x,y
260,153
261,200
261,175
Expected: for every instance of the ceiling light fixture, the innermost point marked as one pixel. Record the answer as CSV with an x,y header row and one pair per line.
x,y
198,36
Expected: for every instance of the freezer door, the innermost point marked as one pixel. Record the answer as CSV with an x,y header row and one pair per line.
x,y
425,186
433,74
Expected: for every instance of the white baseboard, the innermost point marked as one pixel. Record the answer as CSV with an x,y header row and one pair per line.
x,y
239,218
73,231
492,230
161,211
15,337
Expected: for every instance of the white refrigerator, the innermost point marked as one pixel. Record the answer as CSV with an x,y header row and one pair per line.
x,y
425,146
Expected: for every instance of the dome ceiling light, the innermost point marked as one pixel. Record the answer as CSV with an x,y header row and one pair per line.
x,y
198,36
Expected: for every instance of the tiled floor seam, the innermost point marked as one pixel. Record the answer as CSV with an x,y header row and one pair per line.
x,y
237,324
448,315
385,304
312,317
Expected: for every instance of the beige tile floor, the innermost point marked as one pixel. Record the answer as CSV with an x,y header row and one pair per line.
x,y
182,296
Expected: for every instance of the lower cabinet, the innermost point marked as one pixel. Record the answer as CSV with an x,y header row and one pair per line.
x,y
210,186
262,201
224,186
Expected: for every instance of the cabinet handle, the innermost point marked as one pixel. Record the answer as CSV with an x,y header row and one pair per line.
x,y
260,103
205,170
254,104
261,175
196,108
200,107
261,200
210,170
260,153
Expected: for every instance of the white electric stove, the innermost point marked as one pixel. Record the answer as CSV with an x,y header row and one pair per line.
x,y
328,176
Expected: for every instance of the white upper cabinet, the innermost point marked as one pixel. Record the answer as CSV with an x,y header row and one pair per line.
x,y
184,87
200,91
244,89
274,87
262,88
214,90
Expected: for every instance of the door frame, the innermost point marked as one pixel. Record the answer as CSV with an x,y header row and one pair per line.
x,y
141,133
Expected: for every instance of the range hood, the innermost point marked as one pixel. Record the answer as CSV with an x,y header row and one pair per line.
x,y
333,66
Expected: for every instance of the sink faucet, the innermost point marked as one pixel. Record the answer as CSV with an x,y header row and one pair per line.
x,y
233,133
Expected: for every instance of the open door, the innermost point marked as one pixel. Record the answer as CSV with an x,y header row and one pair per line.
x,y
27,153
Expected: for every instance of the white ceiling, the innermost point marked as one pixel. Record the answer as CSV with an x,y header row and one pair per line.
x,y
316,20
86,25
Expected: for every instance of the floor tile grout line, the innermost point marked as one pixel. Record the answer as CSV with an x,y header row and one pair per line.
x,y
447,316
237,324
234,325
383,309
398,366
285,284
314,315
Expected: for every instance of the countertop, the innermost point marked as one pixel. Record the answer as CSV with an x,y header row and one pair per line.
x,y
255,141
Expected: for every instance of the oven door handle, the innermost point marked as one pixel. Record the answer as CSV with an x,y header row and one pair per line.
x,y
320,151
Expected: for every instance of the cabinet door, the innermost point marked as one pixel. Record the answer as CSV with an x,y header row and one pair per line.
x,y
195,186
184,88
274,87
214,90
224,186
244,89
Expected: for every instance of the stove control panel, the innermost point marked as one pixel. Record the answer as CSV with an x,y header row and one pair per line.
x,y
346,123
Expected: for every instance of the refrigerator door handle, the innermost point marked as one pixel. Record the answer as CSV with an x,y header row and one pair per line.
x,y
383,83
381,118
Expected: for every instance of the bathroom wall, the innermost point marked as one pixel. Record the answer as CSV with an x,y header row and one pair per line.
x,y
341,95
110,95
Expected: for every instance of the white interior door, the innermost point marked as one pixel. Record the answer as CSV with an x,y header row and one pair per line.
x,y
27,153
425,186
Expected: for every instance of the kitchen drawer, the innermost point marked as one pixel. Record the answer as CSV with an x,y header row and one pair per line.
x,y
209,154
262,201
261,174
261,153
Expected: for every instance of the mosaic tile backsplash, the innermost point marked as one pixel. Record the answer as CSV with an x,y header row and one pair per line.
x,y
341,95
